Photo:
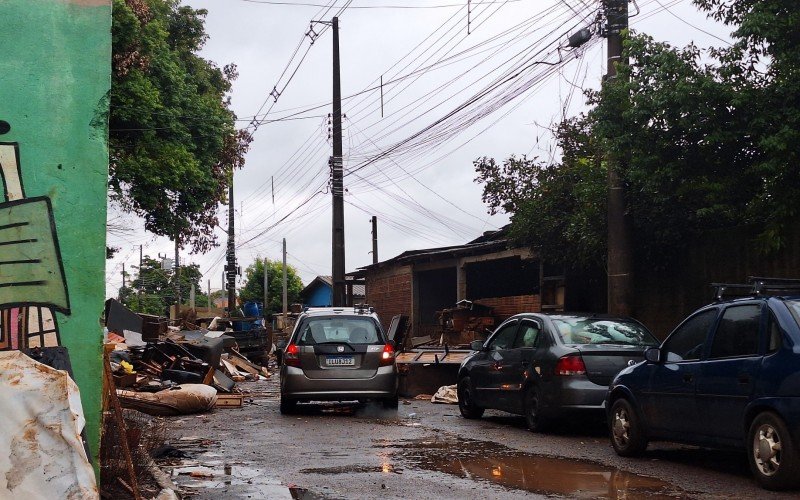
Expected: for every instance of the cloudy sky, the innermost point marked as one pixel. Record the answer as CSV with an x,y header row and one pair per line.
x,y
458,83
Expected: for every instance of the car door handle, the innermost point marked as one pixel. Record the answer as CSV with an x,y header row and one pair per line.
x,y
687,378
744,379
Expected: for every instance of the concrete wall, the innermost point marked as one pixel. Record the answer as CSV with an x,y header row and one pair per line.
x,y
55,74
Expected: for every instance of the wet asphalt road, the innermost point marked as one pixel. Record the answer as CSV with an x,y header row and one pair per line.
x,y
428,451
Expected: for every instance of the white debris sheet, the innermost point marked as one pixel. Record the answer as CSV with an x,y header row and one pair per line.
x,y
447,394
41,452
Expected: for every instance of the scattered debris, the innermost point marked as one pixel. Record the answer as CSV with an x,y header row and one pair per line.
x,y
447,394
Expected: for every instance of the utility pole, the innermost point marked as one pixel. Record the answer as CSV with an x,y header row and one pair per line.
x,y
210,305
374,239
285,284
123,283
266,286
337,179
177,276
141,259
230,266
620,255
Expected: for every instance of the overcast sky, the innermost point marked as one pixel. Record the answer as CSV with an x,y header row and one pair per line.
x,y
417,179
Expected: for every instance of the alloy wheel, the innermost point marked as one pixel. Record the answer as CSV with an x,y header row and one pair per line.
x,y
621,427
767,449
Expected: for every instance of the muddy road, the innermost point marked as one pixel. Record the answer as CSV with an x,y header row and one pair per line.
x,y
427,451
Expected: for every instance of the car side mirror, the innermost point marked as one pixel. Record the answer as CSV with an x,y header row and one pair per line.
x,y
476,345
653,355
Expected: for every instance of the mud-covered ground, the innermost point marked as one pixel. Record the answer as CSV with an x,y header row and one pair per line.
x,y
427,451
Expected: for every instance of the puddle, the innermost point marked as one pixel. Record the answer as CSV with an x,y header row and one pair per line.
x,y
487,461
224,480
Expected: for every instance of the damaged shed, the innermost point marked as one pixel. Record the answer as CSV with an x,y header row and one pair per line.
x,y
490,271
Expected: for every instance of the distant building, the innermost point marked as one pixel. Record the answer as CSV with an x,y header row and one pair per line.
x,y
319,293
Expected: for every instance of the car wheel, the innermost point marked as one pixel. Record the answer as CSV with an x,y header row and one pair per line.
x,y
773,456
288,406
627,434
390,403
466,400
533,411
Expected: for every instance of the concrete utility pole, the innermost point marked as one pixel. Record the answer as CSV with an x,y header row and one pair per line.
x,y
123,282
337,178
177,276
266,286
141,258
374,239
230,267
620,255
285,284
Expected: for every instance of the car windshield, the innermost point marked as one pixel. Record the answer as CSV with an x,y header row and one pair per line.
x,y
321,330
578,330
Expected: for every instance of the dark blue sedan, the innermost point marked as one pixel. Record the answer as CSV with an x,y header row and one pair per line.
x,y
728,376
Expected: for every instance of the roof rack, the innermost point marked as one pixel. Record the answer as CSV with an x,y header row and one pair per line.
x,y
757,286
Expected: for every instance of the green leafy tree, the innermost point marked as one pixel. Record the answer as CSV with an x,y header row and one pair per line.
x,y
709,139
253,289
153,289
557,209
173,144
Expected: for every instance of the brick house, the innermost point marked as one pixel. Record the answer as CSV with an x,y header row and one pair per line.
x,y
489,270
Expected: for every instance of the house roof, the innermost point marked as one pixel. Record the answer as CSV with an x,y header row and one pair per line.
x,y
490,241
359,290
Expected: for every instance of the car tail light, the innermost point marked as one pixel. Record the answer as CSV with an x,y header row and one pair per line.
x,y
291,357
387,356
571,364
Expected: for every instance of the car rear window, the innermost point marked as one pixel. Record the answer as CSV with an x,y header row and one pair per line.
x,y
339,330
602,331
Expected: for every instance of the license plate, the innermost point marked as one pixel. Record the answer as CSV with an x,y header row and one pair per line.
x,y
341,361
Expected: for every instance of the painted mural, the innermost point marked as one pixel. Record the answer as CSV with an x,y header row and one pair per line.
x,y
55,81
32,281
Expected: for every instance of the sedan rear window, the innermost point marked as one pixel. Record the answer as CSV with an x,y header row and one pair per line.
x,y
339,330
602,331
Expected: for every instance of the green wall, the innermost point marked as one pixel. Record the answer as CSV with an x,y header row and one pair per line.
x,y
55,74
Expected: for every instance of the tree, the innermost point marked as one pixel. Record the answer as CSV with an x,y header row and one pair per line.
x,y
173,144
557,209
153,289
711,140
253,289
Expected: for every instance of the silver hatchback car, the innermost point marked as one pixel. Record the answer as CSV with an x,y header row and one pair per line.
x,y
338,354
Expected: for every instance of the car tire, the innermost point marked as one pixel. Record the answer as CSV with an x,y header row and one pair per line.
x,y
772,454
532,406
626,429
391,403
466,400
288,406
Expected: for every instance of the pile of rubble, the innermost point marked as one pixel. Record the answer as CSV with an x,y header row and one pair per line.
x,y
165,370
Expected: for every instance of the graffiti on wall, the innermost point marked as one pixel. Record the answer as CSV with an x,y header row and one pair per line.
x,y
32,281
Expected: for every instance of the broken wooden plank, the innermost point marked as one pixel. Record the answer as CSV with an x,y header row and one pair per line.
x,y
243,364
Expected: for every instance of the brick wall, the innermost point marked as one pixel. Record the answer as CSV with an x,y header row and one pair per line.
x,y
389,292
505,307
